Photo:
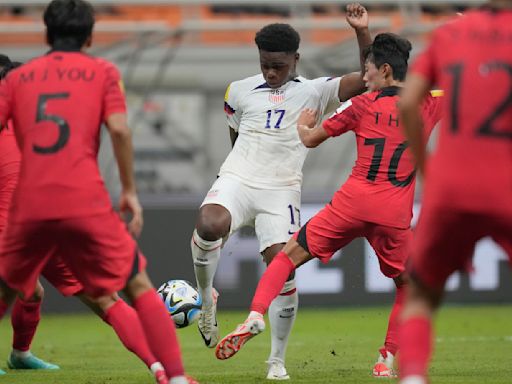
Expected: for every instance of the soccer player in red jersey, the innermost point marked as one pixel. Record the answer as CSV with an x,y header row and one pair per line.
x,y
61,208
375,202
468,179
26,314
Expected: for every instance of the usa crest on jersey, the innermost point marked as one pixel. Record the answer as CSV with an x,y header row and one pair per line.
x,y
276,95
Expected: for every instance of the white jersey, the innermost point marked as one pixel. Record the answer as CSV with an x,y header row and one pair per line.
x,y
268,153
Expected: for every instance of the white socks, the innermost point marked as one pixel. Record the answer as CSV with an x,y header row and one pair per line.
x,y
413,380
178,380
206,255
281,314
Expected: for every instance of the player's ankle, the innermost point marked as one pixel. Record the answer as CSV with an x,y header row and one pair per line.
x,y
21,354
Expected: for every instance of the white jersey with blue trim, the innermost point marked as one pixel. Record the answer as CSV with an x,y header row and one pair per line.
x,y
268,153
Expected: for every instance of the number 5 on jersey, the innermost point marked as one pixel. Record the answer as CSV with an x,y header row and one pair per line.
x,y
62,124
274,117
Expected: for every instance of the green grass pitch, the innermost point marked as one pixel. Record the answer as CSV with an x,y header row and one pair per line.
x,y
327,346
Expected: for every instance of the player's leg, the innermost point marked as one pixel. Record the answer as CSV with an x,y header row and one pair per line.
x,y
212,226
25,317
126,324
7,297
391,246
20,266
158,326
444,242
269,286
113,310
323,235
278,216
281,314
223,210
108,261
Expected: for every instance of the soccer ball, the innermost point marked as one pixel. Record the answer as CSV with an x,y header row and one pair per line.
x,y
182,301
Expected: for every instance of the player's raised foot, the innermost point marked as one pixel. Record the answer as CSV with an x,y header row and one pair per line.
x,y
183,380
413,380
383,368
277,370
232,343
29,361
159,374
207,322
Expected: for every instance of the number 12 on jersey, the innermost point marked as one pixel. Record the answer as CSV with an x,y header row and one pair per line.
x,y
275,116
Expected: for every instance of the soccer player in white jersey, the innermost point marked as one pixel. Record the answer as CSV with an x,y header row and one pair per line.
x,y
259,183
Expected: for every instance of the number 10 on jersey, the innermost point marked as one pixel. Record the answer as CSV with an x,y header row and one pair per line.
x,y
274,116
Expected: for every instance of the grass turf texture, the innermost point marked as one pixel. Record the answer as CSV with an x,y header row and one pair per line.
x,y
327,346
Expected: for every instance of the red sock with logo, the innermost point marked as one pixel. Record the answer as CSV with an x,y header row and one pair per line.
x,y
272,282
160,332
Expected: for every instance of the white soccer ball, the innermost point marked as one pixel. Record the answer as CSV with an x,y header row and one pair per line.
x,y
182,300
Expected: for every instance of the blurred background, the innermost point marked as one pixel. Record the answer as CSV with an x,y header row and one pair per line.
x,y
177,58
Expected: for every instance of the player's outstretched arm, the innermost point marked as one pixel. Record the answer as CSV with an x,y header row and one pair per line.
x,y
352,84
123,151
310,135
413,93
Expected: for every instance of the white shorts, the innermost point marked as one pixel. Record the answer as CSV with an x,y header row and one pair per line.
x,y
274,213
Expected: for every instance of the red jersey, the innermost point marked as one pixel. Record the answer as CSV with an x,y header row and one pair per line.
x,y
9,154
57,103
471,60
381,187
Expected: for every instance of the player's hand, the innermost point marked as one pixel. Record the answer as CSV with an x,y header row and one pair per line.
x,y
357,16
129,204
308,117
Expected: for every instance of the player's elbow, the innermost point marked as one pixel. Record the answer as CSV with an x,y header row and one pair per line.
x,y
309,142
118,126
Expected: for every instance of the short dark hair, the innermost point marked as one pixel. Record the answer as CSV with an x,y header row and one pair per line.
x,y
69,22
277,38
391,49
8,67
4,60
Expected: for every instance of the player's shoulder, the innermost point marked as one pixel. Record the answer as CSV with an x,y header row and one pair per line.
x,y
248,83
318,81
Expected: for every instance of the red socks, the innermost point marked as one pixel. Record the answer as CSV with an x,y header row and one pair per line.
x,y
272,282
415,342
25,317
160,332
128,328
391,343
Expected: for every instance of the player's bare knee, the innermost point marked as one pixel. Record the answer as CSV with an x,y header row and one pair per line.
x,y
213,222
270,252
38,293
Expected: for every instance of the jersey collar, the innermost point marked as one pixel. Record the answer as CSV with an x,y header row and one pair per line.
x,y
388,91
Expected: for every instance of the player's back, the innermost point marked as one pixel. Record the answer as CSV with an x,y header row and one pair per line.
x,y
472,62
57,104
381,186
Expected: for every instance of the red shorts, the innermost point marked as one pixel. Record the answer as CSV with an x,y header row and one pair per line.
x,y
60,276
445,240
98,250
329,230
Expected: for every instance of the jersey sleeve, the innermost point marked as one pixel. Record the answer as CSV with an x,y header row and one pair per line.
x,y
5,102
328,88
346,118
114,100
231,107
